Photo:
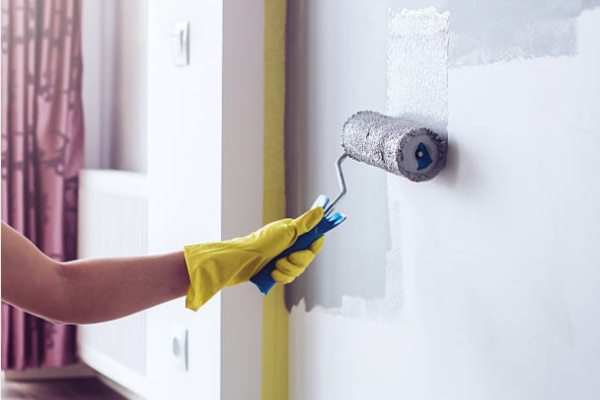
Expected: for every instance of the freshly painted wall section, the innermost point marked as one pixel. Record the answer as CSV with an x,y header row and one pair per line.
x,y
513,29
498,255
417,66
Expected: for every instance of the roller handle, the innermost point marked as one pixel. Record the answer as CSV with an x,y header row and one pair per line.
x,y
263,279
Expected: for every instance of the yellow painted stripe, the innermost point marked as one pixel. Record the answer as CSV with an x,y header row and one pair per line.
x,y
275,317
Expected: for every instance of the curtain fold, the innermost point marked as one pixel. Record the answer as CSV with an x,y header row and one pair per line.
x,y
42,152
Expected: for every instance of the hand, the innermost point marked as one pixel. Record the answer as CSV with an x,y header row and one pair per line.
x,y
212,266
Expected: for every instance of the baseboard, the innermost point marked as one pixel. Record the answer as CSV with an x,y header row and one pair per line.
x,y
78,370
122,390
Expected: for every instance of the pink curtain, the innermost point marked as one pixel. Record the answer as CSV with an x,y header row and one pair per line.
x,y
42,152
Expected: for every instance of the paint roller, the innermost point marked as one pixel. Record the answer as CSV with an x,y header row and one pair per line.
x,y
397,145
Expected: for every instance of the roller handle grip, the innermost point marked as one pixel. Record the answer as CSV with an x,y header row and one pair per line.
x,y
263,279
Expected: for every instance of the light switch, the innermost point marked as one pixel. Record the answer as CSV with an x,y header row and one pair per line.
x,y
180,43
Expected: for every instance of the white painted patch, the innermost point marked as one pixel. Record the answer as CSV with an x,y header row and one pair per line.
x,y
490,31
417,66
538,38
417,89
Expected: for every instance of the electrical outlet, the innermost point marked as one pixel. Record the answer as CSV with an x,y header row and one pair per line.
x,y
180,44
179,347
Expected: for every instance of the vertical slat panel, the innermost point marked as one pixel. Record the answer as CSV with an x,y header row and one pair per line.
x,y
113,223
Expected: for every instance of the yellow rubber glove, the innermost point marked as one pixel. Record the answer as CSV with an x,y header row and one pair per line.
x,y
212,266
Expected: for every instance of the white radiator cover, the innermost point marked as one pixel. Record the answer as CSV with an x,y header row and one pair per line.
x,y
113,217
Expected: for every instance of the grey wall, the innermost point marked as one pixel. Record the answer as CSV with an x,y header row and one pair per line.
x,y
336,66
485,282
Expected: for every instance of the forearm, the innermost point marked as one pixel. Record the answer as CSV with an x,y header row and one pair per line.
x,y
86,291
104,289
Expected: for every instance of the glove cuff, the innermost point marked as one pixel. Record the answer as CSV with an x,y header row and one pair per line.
x,y
201,267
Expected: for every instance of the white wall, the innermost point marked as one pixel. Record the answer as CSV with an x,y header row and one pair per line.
x,y
114,83
496,263
205,130
203,158
184,170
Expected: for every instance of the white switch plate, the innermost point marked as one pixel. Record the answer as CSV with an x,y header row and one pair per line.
x,y
180,43
179,347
